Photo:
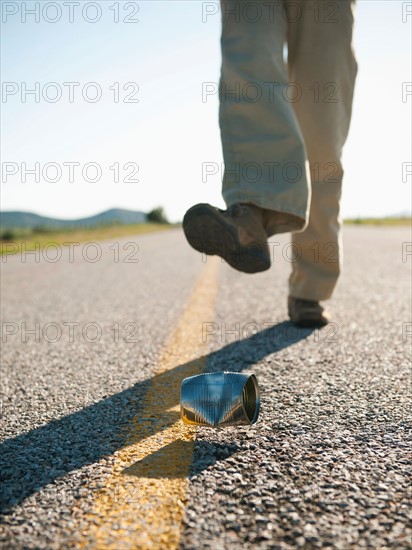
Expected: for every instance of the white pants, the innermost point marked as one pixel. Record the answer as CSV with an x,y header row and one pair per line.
x,y
283,126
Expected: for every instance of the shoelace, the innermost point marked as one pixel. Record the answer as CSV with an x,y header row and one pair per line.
x,y
236,210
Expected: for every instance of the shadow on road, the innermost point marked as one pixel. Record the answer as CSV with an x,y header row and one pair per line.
x,y
153,466
41,456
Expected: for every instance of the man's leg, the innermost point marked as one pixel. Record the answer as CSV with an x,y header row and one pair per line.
x,y
266,180
263,148
322,63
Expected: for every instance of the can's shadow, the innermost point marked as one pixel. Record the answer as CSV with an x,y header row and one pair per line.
x,y
167,461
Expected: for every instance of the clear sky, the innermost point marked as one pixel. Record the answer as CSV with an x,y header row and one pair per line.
x,y
168,52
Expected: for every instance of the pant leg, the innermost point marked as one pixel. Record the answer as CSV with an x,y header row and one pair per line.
x,y
263,147
322,61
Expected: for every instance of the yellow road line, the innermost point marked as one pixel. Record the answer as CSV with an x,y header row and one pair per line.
x,y
143,501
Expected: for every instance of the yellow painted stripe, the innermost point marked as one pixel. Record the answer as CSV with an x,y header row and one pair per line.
x,y
142,503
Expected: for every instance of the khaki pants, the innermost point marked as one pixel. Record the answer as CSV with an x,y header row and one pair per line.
x,y
283,126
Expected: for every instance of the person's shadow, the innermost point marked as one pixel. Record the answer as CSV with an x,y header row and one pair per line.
x,y
37,458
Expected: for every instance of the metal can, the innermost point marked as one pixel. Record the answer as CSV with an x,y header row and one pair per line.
x,y
220,399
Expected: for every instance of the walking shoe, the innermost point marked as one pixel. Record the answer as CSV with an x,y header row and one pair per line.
x,y
237,235
307,313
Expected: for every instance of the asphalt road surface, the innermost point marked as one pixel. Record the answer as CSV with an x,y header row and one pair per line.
x,y
95,345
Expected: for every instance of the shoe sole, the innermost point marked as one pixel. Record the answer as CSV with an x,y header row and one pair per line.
x,y
208,232
309,323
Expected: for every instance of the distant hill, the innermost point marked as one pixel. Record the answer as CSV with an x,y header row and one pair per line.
x,y
29,220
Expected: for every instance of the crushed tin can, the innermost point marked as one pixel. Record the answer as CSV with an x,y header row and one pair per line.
x,y
220,399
